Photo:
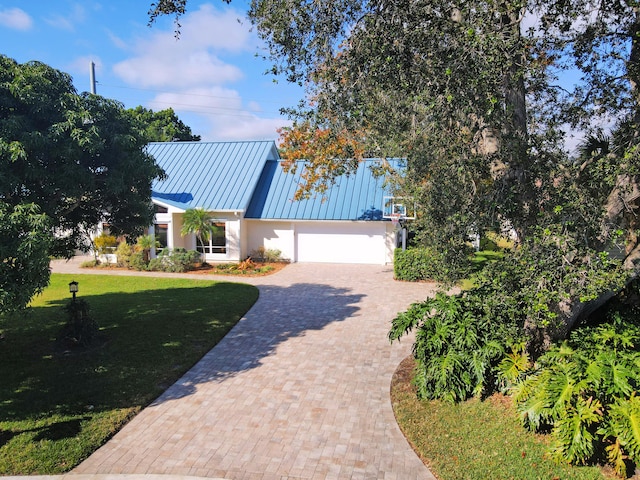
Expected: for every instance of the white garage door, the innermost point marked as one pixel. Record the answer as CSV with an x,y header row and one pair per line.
x,y
341,242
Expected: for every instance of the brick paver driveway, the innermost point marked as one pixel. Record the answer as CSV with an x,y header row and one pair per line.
x,y
299,389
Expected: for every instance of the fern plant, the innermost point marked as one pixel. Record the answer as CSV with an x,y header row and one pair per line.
x,y
584,391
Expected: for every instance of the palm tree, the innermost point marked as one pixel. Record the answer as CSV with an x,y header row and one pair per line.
x,y
198,222
146,243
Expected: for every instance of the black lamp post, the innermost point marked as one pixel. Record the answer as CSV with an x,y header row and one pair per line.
x,y
73,289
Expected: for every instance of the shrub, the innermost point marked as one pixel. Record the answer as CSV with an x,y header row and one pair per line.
x,y
90,264
460,342
262,254
138,261
487,243
177,260
80,329
123,254
415,264
584,390
145,243
104,243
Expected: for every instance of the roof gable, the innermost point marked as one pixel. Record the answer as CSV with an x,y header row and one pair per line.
x,y
216,176
357,196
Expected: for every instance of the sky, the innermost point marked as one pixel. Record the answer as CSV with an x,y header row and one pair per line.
x,y
212,76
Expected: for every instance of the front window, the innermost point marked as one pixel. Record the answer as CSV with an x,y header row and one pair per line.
x,y
161,231
217,242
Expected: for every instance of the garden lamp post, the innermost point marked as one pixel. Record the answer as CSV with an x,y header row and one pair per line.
x,y
73,289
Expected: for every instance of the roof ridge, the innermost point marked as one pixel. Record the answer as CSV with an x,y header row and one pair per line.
x,y
200,142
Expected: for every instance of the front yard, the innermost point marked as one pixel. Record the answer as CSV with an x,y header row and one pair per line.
x,y
57,405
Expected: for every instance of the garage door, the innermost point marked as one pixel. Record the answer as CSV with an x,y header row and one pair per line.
x,y
341,242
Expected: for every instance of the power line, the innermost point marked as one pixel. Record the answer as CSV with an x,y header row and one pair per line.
x,y
185,94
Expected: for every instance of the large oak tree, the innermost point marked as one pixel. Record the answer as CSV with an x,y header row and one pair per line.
x,y
476,96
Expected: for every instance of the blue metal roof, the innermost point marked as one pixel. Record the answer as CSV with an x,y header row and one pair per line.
x,y
358,196
218,176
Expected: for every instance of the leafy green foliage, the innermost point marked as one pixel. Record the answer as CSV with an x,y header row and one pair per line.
x,y
79,158
423,263
162,126
144,244
123,254
262,254
139,261
81,329
175,260
25,239
197,221
476,439
584,391
460,341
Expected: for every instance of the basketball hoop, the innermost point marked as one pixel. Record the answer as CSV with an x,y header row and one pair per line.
x,y
395,219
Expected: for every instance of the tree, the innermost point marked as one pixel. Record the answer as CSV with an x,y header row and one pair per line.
x,y
146,243
79,159
25,237
162,126
475,104
197,221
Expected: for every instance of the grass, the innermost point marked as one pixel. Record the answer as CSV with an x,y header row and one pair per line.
x,y
478,261
57,408
476,439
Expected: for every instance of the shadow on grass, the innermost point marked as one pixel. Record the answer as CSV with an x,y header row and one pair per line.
x,y
55,431
280,314
152,338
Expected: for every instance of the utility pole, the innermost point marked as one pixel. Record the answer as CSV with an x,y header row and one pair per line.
x,y
92,77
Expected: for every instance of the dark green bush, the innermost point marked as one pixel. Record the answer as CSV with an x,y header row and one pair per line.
x,y
585,391
460,342
422,263
177,260
487,243
81,329
137,261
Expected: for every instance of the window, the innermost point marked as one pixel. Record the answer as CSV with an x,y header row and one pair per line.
x,y
217,241
160,209
161,231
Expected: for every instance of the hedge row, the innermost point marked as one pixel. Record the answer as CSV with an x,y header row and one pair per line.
x,y
415,264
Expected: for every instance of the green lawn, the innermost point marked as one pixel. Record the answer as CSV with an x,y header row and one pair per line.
x,y
475,440
57,408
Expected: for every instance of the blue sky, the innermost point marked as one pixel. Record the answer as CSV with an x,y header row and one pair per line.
x,y
211,76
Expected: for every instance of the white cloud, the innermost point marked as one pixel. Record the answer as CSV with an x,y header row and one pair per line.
x,y
193,68
68,22
249,127
15,19
176,68
60,22
218,114
209,101
193,60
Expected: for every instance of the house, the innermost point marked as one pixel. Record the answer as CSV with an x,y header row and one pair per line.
x,y
249,196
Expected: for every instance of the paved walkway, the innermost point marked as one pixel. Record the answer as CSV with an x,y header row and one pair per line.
x,y
299,389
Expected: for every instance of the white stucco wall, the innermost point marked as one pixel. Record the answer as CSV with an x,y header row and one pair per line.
x,y
277,235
